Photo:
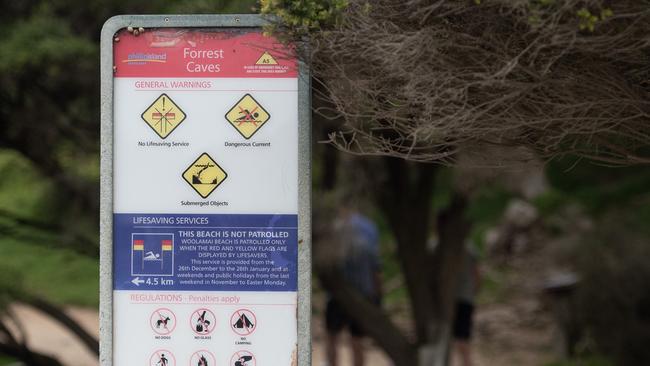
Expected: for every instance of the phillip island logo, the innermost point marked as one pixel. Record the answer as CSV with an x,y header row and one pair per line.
x,y
141,58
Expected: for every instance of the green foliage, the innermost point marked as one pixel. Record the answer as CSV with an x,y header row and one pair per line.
x,y
494,287
613,297
213,6
43,41
23,191
584,361
36,268
485,210
11,284
588,20
6,361
599,188
303,16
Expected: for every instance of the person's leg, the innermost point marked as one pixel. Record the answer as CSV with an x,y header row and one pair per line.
x,y
334,325
464,352
331,350
462,332
356,342
358,350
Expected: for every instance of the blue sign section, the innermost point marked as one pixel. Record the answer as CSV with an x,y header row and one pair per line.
x,y
193,252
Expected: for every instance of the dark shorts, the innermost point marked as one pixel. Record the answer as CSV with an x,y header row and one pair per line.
x,y
336,319
463,320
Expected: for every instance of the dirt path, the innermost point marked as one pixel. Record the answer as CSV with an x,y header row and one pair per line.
x,y
47,336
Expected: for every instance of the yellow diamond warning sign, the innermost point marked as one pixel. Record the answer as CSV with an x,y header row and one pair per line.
x,y
266,59
247,116
204,175
163,116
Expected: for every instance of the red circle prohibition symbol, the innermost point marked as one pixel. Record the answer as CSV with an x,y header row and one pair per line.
x,y
160,319
246,358
201,354
162,357
243,322
203,321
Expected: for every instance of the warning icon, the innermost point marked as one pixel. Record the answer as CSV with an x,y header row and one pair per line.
x,y
247,116
163,116
204,175
266,59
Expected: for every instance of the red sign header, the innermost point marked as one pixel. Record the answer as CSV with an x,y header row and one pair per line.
x,y
222,53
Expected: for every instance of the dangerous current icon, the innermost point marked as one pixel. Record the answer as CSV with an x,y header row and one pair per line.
x,y
152,254
163,116
247,116
204,175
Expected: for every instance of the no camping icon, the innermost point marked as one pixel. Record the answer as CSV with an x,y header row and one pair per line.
x,y
243,322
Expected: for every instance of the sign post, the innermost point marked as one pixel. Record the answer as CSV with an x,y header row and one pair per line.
x,y
205,191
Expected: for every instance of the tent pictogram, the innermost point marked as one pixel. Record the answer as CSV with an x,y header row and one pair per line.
x,y
204,175
247,116
266,59
243,322
163,116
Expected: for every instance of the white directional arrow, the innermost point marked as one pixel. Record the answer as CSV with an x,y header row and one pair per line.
x,y
137,281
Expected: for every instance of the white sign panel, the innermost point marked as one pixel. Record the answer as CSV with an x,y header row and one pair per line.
x,y
205,198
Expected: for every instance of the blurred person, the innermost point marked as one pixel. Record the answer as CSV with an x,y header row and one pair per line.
x,y
468,286
361,269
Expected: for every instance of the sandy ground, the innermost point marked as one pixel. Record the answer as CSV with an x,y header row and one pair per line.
x,y
45,335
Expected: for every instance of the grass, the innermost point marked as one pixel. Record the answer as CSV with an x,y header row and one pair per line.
x,y
59,275
4,361
33,261
587,361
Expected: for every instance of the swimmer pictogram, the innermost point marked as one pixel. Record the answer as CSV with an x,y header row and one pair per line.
x,y
247,116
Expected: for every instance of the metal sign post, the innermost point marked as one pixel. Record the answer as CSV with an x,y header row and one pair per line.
x,y
205,192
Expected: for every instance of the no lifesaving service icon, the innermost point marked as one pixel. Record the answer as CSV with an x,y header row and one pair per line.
x,y
247,116
204,175
163,115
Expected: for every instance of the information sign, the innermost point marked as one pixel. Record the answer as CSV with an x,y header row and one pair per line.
x,y
203,170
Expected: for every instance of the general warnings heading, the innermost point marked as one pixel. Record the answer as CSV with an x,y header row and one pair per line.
x,y
163,116
247,116
204,175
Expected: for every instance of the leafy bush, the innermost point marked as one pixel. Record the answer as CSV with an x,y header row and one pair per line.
x,y
613,298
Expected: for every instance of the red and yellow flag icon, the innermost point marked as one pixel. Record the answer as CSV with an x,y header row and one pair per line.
x,y
138,245
167,245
